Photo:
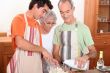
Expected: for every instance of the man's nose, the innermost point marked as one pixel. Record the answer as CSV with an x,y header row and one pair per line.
x,y
64,14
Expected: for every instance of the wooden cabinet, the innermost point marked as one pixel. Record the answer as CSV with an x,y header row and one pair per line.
x,y
6,53
103,16
97,18
1,63
101,44
3,34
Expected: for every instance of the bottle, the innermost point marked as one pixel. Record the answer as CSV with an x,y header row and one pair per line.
x,y
100,62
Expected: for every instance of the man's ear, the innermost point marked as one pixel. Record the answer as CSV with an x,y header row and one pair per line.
x,y
35,6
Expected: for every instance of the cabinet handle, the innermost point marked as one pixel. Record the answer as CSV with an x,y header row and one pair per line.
x,y
105,42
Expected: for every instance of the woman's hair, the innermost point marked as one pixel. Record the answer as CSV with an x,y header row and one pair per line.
x,y
49,14
40,3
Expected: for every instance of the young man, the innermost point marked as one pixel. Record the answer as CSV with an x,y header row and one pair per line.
x,y
26,36
72,39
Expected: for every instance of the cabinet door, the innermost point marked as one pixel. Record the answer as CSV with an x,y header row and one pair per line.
x,y
1,66
93,63
6,59
97,17
103,16
7,53
1,62
106,54
89,14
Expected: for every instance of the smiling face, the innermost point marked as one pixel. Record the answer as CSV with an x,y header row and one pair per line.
x,y
66,11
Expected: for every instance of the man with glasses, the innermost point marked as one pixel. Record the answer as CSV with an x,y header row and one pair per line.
x,y
72,39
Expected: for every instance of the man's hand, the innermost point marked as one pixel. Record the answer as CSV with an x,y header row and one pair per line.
x,y
48,57
56,50
55,62
81,61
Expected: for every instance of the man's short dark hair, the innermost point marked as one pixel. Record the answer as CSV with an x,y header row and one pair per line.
x,y
40,3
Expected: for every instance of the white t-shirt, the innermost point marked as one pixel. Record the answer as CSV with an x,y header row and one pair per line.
x,y
47,41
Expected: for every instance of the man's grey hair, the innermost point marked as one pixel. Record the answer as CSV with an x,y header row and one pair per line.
x,y
49,14
63,1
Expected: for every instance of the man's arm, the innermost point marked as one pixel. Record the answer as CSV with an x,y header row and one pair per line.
x,y
92,51
56,49
26,45
92,54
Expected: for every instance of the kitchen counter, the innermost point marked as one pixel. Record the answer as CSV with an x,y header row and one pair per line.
x,y
6,52
5,40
